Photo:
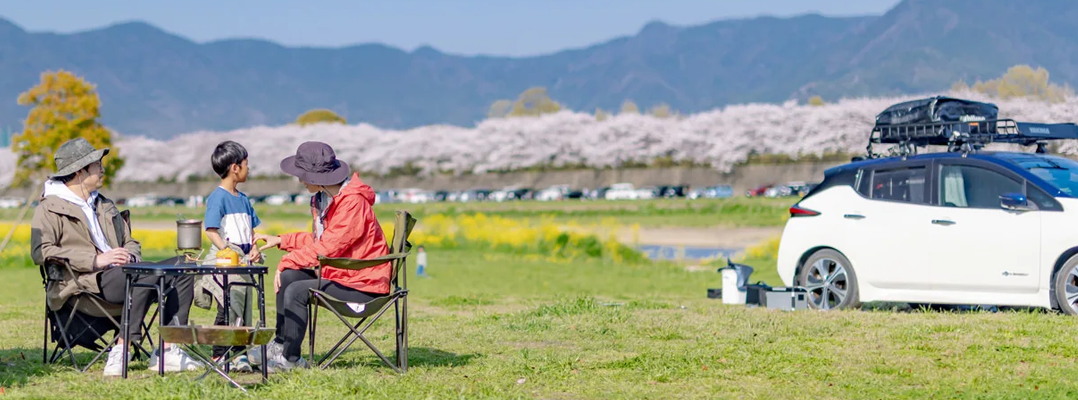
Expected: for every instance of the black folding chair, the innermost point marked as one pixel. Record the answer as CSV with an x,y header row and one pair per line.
x,y
370,311
81,322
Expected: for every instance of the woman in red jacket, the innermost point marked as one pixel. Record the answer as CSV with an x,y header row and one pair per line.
x,y
344,226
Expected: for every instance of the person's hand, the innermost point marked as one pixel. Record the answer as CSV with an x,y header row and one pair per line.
x,y
117,256
277,282
271,241
255,256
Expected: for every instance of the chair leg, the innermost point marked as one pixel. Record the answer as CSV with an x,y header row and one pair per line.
x,y
377,353
57,354
139,350
108,345
146,337
45,341
337,346
67,346
50,321
100,337
312,323
146,333
404,333
398,334
359,335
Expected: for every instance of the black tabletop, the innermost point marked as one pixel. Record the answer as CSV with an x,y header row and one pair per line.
x,y
172,267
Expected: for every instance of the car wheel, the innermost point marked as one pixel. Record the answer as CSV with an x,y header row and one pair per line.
x,y
1066,286
830,281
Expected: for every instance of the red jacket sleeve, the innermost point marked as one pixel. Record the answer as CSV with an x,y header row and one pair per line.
x,y
293,241
338,237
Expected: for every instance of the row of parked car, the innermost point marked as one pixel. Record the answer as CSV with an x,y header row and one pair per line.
x,y
148,200
790,189
617,191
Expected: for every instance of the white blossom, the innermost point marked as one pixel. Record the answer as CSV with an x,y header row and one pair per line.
x,y
721,138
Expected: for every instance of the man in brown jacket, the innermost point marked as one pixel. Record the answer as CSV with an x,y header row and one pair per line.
x,y
77,227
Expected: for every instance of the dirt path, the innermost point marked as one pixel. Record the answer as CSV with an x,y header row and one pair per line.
x,y
722,237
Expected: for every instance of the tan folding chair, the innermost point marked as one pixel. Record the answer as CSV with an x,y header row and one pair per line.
x,y
83,321
370,311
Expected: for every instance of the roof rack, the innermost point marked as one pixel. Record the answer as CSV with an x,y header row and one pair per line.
x,y
968,136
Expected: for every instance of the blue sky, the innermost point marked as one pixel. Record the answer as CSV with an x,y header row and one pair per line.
x,y
500,27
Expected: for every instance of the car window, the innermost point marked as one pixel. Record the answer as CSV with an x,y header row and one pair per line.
x,y
966,186
1041,199
1058,171
899,184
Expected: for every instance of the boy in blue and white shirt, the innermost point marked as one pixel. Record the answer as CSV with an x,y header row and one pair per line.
x,y
230,221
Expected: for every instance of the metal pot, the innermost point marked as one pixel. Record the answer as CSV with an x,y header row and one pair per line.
x,y
189,234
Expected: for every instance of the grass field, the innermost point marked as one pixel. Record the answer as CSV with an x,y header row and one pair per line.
x,y
514,320
655,213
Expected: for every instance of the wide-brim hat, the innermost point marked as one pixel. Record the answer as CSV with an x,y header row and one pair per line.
x,y
315,163
74,155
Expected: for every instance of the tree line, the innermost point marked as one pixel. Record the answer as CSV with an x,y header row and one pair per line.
x,y
535,101
64,106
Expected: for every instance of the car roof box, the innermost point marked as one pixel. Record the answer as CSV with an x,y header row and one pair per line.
x,y
937,109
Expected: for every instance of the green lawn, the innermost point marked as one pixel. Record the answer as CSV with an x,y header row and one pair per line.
x,y
649,213
495,325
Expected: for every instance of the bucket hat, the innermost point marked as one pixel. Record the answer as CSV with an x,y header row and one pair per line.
x,y
315,163
74,155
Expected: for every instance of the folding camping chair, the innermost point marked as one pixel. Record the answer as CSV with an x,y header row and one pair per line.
x,y
371,310
83,321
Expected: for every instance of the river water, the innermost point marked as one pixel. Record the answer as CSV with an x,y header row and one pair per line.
x,y
660,252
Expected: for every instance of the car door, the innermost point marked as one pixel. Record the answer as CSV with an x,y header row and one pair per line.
x,y
881,226
975,245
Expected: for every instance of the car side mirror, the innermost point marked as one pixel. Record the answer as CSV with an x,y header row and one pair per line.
x,y
1014,202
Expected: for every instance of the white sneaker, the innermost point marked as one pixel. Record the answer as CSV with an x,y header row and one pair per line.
x,y
114,365
176,360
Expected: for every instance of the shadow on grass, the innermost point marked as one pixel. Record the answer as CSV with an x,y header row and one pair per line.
x,y
946,308
19,365
417,357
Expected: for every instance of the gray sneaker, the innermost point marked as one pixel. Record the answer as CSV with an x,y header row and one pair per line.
x,y
275,359
254,355
278,364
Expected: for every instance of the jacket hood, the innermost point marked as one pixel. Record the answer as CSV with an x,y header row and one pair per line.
x,y
59,205
356,187
55,188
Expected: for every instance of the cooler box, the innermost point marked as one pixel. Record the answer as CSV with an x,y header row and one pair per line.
x,y
786,298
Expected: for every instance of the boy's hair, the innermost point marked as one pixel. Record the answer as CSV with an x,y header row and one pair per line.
x,y
225,155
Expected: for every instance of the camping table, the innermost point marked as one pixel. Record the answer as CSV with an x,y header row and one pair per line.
x,y
178,267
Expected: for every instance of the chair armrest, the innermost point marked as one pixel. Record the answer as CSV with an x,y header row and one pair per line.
x,y
54,267
355,265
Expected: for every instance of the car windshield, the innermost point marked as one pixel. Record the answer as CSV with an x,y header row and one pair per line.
x,y
1058,171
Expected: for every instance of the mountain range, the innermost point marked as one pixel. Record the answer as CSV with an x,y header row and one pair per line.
x,y
157,84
